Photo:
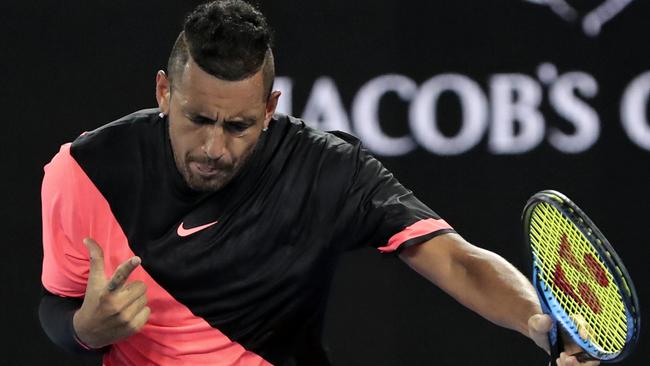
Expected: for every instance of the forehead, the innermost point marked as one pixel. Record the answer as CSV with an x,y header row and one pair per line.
x,y
197,91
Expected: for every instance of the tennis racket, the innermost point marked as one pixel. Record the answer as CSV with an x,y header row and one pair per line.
x,y
580,280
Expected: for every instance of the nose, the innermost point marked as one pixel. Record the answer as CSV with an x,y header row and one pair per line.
x,y
215,144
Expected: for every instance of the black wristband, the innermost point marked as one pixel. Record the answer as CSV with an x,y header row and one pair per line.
x,y
56,314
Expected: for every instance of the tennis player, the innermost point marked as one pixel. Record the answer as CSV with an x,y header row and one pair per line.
x,y
206,231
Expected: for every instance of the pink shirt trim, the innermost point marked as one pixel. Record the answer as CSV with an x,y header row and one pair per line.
x,y
420,228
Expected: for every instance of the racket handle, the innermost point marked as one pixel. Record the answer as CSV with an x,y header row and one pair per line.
x,y
557,346
555,343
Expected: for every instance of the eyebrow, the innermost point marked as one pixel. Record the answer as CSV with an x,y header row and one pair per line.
x,y
203,119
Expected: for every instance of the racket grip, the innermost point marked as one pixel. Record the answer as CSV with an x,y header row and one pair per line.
x,y
555,343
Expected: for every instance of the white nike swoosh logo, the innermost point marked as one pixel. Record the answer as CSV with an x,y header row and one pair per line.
x,y
187,232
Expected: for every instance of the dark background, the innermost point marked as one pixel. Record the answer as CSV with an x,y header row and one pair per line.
x,y
70,66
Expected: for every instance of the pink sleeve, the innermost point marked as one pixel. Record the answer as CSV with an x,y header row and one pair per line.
x,y
65,258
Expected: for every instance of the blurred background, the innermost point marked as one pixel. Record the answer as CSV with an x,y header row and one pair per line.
x,y
474,105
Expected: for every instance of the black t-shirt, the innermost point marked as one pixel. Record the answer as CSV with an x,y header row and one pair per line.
x,y
253,262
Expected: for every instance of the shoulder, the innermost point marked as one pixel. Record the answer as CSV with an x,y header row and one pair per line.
x,y
334,158
62,168
121,146
328,143
127,129
113,153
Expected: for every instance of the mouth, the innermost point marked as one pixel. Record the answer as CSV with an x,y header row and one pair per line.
x,y
204,170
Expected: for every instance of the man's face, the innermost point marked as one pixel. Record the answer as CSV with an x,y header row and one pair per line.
x,y
214,124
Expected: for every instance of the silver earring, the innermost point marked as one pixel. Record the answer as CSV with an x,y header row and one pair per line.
x,y
161,115
265,129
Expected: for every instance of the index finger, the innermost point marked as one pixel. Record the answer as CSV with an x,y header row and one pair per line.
x,y
122,273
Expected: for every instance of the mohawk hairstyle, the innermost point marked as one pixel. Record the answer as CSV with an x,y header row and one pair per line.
x,y
228,39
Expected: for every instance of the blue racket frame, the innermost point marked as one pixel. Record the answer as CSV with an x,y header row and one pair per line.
x,y
608,255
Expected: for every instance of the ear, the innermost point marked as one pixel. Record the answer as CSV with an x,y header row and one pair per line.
x,y
163,91
271,105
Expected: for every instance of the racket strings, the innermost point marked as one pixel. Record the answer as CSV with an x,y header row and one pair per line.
x,y
562,269
573,304
569,294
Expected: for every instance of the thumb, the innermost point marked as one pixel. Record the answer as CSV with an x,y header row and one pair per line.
x,y
96,260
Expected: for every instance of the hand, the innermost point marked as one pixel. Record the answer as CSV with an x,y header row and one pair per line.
x,y
111,310
539,325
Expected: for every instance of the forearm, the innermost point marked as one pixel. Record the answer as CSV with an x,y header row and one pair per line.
x,y
56,313
495,289
480,280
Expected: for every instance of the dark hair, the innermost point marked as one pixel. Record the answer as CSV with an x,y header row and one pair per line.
x,y
228,39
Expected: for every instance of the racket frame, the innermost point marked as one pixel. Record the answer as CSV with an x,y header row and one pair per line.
x,y
606,254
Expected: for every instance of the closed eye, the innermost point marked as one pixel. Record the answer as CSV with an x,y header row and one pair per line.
x,y
200,120
236,127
